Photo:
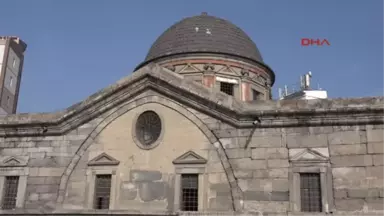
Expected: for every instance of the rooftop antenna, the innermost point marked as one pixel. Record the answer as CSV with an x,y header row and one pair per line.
x,y
306,92
307,80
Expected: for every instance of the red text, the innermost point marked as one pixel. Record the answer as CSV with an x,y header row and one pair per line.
x,y
312,42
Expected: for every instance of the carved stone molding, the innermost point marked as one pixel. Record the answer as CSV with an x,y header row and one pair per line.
x,y
13,161
170,67
255,69
245,73
209,66
103,160
190,157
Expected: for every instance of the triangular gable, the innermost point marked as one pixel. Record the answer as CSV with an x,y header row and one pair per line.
x,y
309,155
150,77
190,157
12,161
103,160
189,68
227,69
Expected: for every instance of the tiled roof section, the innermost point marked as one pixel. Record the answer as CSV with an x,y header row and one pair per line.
x,y
204,33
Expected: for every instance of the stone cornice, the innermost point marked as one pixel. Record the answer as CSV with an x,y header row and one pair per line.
x,y
216,104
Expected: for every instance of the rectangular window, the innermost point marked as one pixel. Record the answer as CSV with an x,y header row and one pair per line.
x,y
227,88
310,192
257,95
102,191
189,192
10,192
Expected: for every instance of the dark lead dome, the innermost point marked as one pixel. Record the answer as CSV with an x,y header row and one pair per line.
x,y
204,34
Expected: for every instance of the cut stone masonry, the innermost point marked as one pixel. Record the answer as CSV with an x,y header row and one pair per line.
x,y
248,166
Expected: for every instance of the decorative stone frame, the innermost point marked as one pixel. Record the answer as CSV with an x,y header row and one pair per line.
x,y
14,166
319,165
102,167
159,139
260,89
236,86
195,166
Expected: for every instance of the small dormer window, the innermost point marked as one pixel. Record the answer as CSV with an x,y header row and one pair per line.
x,y
227,88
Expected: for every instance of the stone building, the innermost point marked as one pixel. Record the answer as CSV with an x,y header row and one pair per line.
x,y
194,130
11,67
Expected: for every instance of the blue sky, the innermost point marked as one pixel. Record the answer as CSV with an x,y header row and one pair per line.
x,y
76,48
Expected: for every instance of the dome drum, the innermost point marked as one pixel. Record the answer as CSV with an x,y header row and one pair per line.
x,y
193,43
213,71
207,60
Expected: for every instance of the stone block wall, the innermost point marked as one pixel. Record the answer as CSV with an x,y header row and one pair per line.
x,y
261,163
47,159
249,169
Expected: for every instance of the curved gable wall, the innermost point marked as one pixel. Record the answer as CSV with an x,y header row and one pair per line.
x,y
146,177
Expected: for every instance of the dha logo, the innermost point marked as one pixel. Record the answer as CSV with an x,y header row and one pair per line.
x,y
312,42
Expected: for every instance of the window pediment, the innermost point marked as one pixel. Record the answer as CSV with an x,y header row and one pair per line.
x,y
13,161
309,155
103,160
190,157
310,171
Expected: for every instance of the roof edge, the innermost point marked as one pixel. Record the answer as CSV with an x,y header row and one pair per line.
x,y
351,111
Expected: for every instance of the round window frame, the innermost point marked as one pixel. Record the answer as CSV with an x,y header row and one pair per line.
x,y
134,134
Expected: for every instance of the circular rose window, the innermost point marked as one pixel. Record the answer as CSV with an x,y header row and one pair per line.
x,y
148,128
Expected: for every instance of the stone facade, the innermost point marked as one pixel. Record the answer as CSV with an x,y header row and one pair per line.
x,y
244,166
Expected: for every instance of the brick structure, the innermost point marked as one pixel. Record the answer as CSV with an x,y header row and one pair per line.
x,y
246,158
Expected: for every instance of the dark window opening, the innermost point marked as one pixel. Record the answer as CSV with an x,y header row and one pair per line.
x,y
227,88
10,192
148,127
102,191
8,101
189,190
257,95
310,192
